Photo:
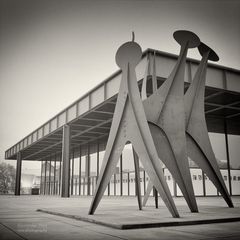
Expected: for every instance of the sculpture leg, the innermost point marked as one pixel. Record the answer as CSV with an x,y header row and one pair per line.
x,y
213,172
137,179
154,170
147,194
199,145
180,172
165,109
155,196
109,164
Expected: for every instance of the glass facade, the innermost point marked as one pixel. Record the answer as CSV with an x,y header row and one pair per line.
x,y
234,155
84,172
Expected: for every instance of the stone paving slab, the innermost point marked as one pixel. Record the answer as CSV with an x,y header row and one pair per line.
x,y
128,217
19,219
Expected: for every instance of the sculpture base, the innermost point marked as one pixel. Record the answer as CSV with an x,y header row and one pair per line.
x,y
129,217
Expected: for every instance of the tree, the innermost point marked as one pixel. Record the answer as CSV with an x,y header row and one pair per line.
x,y
7,178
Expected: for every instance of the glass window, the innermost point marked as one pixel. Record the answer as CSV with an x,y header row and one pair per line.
x,y
234,155
76,176
83,166
112,186
47,186
132,183
234,151
42,177
93,165
117,178
57,172
219,147
169,180
225,177
51,175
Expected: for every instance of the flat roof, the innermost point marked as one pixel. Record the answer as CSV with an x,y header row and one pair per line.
x,y
90,116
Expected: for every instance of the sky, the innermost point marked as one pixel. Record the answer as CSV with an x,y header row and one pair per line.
x,y
52,52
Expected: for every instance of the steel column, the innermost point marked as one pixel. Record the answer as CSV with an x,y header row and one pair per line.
x,y
80,170
45,177
41,182
204,184
155,194
72,179
84,185
76,186
49,176
54,175
60,175
114,184
18,174
97,160
121,175
128,179
87,170
108,189
66,161
144,181
228,158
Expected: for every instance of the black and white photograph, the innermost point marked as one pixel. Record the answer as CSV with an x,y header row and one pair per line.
x,y
120,119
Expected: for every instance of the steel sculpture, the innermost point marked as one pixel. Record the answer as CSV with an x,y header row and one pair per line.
x,y
199,147
198,143
165,114
144,96
130,125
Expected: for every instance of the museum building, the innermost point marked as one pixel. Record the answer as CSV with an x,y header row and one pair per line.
x,y
79,133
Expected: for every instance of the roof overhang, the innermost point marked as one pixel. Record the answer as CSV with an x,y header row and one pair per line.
x,y
90,116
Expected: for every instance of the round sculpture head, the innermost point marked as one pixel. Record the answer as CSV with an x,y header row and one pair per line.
x,y
203,48
183,37
129,52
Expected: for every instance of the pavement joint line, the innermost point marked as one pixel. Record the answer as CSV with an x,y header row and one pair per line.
x,y
10,229
190,232
203,233
144,225
13,218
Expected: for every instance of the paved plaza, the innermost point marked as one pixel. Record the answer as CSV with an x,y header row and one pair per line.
x,y
19,219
